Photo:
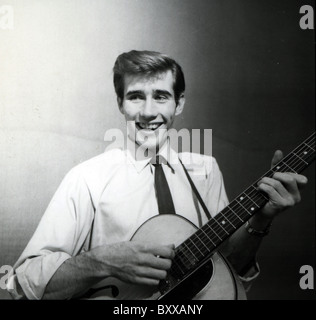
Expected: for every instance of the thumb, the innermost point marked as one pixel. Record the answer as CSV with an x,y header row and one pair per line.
x,y
278,155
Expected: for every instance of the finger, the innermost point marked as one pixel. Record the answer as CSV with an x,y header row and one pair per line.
x,y
273,195
146,281
274,188
278,155
299,178
291,181
161,251
278,194
151,273
157,262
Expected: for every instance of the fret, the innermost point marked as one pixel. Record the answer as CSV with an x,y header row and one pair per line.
x,y
244,207
213,231
304,153
197,246
223,220
256,197
270,173
220,225
203,255
187,246
213,243
199,237
284,163
232,217
239,209
234,213
251,208
258,192
220,231
299,165
310,157
308,146
300,158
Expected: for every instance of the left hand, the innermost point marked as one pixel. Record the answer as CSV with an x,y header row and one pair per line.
x,y
283,189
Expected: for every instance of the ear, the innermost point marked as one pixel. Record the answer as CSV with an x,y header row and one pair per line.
x,y
120,104
180,105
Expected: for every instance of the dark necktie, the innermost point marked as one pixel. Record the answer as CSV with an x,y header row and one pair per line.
x,y
164,199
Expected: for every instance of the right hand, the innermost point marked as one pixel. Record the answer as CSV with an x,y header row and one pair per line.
x,y
136,262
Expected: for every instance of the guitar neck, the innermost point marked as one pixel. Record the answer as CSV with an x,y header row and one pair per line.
x,y
207,239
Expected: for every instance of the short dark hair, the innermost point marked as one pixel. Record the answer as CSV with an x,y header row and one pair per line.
x,y
148,63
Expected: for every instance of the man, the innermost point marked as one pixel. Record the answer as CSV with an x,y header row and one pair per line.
x,y
83,237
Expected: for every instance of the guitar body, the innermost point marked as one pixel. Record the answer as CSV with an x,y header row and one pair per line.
x,y
214,280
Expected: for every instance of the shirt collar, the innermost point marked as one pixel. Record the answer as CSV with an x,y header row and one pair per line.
x,y
166,153
169,155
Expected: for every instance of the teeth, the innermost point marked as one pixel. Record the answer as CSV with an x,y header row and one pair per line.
x,y
150,126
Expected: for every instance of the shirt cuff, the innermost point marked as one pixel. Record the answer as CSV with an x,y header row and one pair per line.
x,y
34,274
249,276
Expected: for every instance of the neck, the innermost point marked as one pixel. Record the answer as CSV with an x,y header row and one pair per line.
x,y
139,152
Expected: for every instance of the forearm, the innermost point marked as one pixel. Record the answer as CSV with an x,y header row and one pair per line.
x,y
131,261
74,276
242,247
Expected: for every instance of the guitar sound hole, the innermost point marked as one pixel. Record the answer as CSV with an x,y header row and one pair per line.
x,y
187,289
91,292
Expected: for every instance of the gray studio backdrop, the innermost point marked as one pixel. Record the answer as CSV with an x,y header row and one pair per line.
x,y
250,77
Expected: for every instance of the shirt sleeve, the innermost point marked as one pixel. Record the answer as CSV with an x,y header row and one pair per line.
x,y
60,235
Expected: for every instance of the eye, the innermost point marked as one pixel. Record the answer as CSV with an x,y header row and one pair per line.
x,y
135,97
161,98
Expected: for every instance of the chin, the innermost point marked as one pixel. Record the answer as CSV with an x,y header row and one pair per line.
x,y
150,139
151,146
148,146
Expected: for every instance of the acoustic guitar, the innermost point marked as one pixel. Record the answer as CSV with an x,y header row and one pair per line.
x,y
199,271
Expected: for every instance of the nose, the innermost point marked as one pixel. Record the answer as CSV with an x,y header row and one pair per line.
x,y
149,110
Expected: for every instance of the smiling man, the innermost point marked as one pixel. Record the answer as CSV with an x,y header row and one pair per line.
x,y
81,248
149,96
150,104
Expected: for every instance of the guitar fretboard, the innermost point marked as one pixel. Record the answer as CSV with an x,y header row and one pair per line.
x,y
207,239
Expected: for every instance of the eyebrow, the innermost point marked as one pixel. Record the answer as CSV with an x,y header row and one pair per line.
x,y
158,91
165,92
133,92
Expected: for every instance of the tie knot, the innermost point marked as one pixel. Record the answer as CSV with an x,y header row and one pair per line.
x,y
158,161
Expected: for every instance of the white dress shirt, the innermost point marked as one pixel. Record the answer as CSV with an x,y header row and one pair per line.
x,y
104,200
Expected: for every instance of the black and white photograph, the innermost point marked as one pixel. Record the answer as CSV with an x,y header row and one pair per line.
x,y
157,150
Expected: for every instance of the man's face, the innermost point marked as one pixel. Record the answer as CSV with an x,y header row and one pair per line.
x,y
150,103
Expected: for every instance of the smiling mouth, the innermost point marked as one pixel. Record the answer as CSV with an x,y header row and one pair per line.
x,y
148,126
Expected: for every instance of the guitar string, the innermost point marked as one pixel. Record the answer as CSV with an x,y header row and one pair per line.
x,y
199,252
249,199
193,250
249,196
218,228
197,255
